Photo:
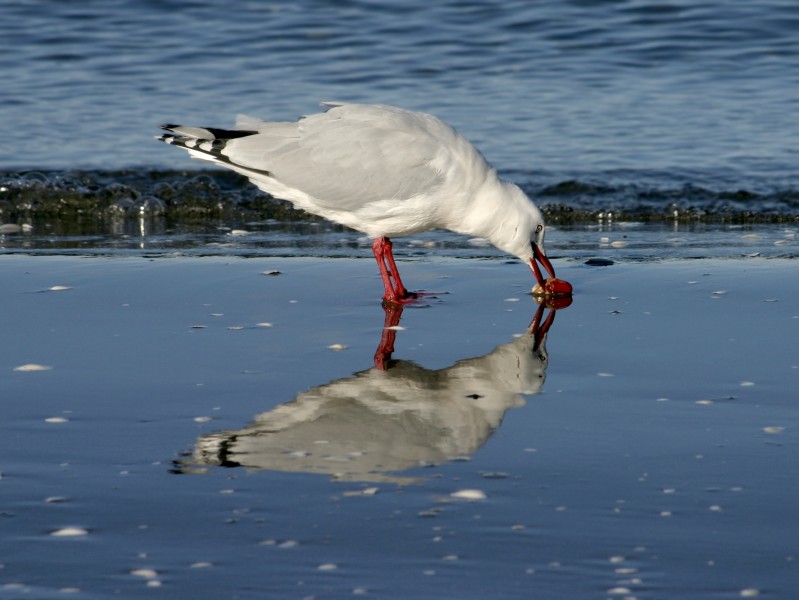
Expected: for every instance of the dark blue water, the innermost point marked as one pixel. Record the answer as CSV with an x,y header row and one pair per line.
x,y
686,90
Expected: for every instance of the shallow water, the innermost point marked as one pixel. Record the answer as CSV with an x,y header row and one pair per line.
x,y
177,423
655,459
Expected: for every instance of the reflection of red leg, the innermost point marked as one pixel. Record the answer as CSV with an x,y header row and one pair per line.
x,y
395,290
538,329
386,346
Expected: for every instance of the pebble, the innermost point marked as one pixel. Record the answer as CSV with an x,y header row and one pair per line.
x,y
469,494
773,429
69,532
145,573
32,367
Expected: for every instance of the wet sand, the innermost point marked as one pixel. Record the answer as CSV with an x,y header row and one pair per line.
x,y
192,427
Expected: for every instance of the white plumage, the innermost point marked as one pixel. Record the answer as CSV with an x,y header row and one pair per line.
x,y
381,170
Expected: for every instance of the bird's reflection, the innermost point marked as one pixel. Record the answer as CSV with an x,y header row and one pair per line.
x,y
395,416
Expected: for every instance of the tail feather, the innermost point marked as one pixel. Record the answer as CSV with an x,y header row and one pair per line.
x,y
208,143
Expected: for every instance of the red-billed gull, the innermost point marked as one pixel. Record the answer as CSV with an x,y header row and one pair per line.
x,y
381,170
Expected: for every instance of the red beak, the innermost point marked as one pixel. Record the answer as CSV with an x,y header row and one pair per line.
x,y
542,258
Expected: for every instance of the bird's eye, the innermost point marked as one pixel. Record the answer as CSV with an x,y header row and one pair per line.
x,y
539,228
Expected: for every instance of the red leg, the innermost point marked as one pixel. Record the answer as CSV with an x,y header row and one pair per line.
x,y
395,290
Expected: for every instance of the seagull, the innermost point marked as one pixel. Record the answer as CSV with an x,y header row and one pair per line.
x,y
381,170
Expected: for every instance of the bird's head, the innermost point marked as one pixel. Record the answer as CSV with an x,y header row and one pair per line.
x,y
538,253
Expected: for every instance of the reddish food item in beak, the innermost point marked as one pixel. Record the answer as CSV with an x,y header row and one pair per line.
x,y
553,287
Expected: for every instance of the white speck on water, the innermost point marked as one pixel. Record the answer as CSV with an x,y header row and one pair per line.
x,y
359,591
625,571
327,567
235,328
217,314
469,494
617,591
511,299
773,429
669,490
288,544
395,328
55,499
145,573
201,565
704,402
202,419
58,288
227,491
604,240
32,368
153,583
747,383
69,590
719,292
428,572
451,557
605,374
238,232
264,325
714,508
70,532
337,347
617,559
662,400
56,420
618,244
666,513
749,593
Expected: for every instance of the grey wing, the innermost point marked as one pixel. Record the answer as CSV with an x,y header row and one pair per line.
x,y
343,161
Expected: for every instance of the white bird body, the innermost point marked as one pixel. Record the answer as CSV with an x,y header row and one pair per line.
x,y
378,169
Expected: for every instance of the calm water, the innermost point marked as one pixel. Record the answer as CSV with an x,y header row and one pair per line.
x,y
690,91
657,460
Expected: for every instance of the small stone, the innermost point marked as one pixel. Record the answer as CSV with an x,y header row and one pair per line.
x,y
145,573
469,494
32,367
70,532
